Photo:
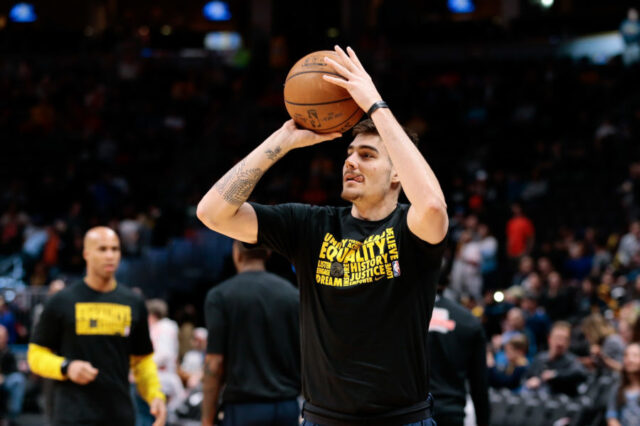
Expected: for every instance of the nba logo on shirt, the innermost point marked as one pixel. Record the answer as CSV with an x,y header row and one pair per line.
x,y
396,268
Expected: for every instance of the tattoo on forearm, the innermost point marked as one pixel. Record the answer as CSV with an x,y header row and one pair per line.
x,y
274,154
236,186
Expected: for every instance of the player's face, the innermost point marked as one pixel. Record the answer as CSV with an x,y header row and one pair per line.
x,y
559,340
103,254
367,173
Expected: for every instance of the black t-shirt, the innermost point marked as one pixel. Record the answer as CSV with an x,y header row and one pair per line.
x,y
80,323
367,289
458,348
252,320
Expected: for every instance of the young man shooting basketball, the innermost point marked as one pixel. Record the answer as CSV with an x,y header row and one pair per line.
x,y
367,273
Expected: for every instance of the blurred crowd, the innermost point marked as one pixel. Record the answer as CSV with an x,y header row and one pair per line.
x,y
539,161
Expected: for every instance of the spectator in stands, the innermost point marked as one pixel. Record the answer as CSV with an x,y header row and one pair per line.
x,y
606,347
489,251
12,382
587,300
466,273
579,264
624,401
525,268
164,337
192,365
536,319
520,234
8,319
629,244
630,32
515,324
557,300
517,364
545,268
556,370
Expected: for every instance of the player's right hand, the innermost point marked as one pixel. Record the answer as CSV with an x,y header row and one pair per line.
x,y
81,372
296,137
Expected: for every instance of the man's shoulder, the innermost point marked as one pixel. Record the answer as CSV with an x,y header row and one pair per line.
x,y
459,312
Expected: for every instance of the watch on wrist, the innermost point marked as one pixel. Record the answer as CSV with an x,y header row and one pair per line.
x,y
65,366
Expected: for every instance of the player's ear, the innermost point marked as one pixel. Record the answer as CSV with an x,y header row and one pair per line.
x,y
395,178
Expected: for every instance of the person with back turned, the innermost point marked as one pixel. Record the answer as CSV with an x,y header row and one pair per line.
x,y
253,346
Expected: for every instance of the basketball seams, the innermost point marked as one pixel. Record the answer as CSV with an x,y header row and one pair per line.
x,y
347,119
319,103
314,103
314,72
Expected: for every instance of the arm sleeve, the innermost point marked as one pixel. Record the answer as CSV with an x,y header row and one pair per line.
x,y
478,379
45,341
145,375
43,362
280,227
216,322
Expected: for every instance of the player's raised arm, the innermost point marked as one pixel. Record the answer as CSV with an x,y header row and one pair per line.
x,y
224,209
427,216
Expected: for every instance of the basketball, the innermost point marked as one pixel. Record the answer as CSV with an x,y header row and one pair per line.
x,y
316,104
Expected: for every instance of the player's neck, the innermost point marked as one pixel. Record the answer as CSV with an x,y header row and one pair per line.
x,y
101,284
251,267
373,211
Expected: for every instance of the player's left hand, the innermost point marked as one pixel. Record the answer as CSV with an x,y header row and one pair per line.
x,y
356,80
158,409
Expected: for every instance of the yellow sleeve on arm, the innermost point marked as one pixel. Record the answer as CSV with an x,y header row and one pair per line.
x,y
145,374
43,362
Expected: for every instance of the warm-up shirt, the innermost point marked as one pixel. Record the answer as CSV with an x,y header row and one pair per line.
x,y
458,353
367,290
252,320
105,329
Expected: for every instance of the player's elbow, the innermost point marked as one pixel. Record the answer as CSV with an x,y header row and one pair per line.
x,y
435,217
207,214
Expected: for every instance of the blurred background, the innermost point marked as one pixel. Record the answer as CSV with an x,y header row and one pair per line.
x,y
125,113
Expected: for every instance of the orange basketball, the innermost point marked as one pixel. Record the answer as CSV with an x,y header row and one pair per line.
x,y
316,104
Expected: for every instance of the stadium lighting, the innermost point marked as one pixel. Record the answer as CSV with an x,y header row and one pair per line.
x,y
22,12
546,3
217,11
461,6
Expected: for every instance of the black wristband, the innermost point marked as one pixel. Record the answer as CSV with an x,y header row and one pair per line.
x,y
65,366
375,106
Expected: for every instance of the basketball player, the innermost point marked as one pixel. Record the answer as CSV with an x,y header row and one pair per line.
x,y
367,273
253,346
88,336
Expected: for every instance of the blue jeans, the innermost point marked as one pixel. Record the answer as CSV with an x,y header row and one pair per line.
x,y
14,385
281,413
426,422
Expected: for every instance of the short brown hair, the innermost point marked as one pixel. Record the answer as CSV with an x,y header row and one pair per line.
x,y
519,342
366,127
